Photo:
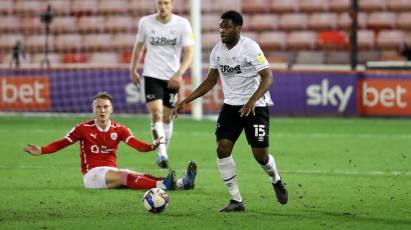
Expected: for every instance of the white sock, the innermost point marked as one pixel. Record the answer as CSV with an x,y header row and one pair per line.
x,y
168,131
158,127
179,183
228,174
271,169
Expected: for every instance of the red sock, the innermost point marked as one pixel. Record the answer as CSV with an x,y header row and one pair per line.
x,y
137,181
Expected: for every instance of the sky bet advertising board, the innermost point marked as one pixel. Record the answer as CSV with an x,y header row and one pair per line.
x,y
314,93
294,93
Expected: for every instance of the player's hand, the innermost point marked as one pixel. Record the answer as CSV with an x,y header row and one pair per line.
x,y
175,81
178,109
247,109
33,149
135,77
156,143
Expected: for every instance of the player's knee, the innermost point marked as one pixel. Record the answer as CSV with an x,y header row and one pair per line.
x,y
223,151
156,115
113,178
261,155
261,160
166,119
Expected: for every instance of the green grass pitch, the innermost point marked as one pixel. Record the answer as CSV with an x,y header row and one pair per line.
x,y
341,174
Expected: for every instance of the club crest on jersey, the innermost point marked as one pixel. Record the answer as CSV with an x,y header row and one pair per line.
x,y
236,59
113,136
230,70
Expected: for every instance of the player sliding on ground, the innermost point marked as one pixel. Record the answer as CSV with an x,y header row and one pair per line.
x,y
99,139
246,77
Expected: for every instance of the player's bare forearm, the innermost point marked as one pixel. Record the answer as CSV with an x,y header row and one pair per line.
x,y
204,87
188,52
135,77
176,79
266,81
135,56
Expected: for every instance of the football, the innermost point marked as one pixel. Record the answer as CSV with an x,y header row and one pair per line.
x,y
155,200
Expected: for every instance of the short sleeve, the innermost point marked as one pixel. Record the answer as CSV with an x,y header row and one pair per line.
x,y
125,133
74,134
141,35
213,59
256,57
188,36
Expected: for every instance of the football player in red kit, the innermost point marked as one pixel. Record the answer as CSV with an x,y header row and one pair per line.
x,y
99,139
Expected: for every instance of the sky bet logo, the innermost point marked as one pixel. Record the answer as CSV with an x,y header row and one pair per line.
x,y
162,41
324,94
225,69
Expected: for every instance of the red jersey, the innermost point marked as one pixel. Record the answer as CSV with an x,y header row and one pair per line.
x,y
97,147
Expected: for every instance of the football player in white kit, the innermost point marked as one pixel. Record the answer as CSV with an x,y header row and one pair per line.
x,y
164,35
246,77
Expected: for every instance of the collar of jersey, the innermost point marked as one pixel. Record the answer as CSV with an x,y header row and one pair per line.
x,y
103,130
164,24
229,50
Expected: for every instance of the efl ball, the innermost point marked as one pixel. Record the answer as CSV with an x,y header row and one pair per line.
x,y
155,200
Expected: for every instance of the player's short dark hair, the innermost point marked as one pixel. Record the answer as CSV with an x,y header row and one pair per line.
x,y
103,95
234,16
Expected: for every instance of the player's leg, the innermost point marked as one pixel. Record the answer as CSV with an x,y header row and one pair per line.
x,y
169,103
154,101
168,125
227,167
157,129
257,133
227,132
134,180
268,164
95,178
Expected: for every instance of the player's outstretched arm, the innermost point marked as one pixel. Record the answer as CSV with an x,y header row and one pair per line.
x,y
142,146
34,150
203,88
50,148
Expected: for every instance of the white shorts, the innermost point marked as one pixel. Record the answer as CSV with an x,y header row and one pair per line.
x,y
96,177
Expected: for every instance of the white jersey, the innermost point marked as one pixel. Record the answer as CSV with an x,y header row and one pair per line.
x,y
238,69
164,44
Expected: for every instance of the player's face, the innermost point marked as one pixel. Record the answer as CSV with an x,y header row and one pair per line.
x,y
164,7
103,109
229,32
